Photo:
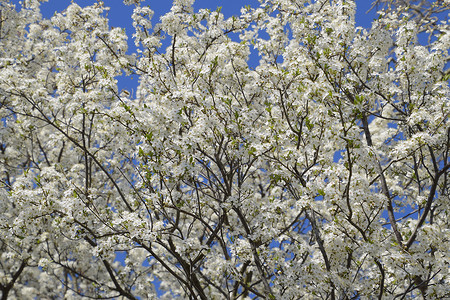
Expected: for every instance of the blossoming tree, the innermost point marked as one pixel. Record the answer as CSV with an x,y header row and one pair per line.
x,y
320,173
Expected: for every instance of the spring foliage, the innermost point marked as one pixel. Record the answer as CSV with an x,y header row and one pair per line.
x,y
320,173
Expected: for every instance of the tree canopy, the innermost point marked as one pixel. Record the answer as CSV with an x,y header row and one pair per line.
x,y
320,173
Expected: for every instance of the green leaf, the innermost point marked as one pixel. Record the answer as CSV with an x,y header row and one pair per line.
x,y
308,123
141,152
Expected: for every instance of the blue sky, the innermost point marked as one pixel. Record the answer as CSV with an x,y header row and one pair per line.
x,y
120,16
